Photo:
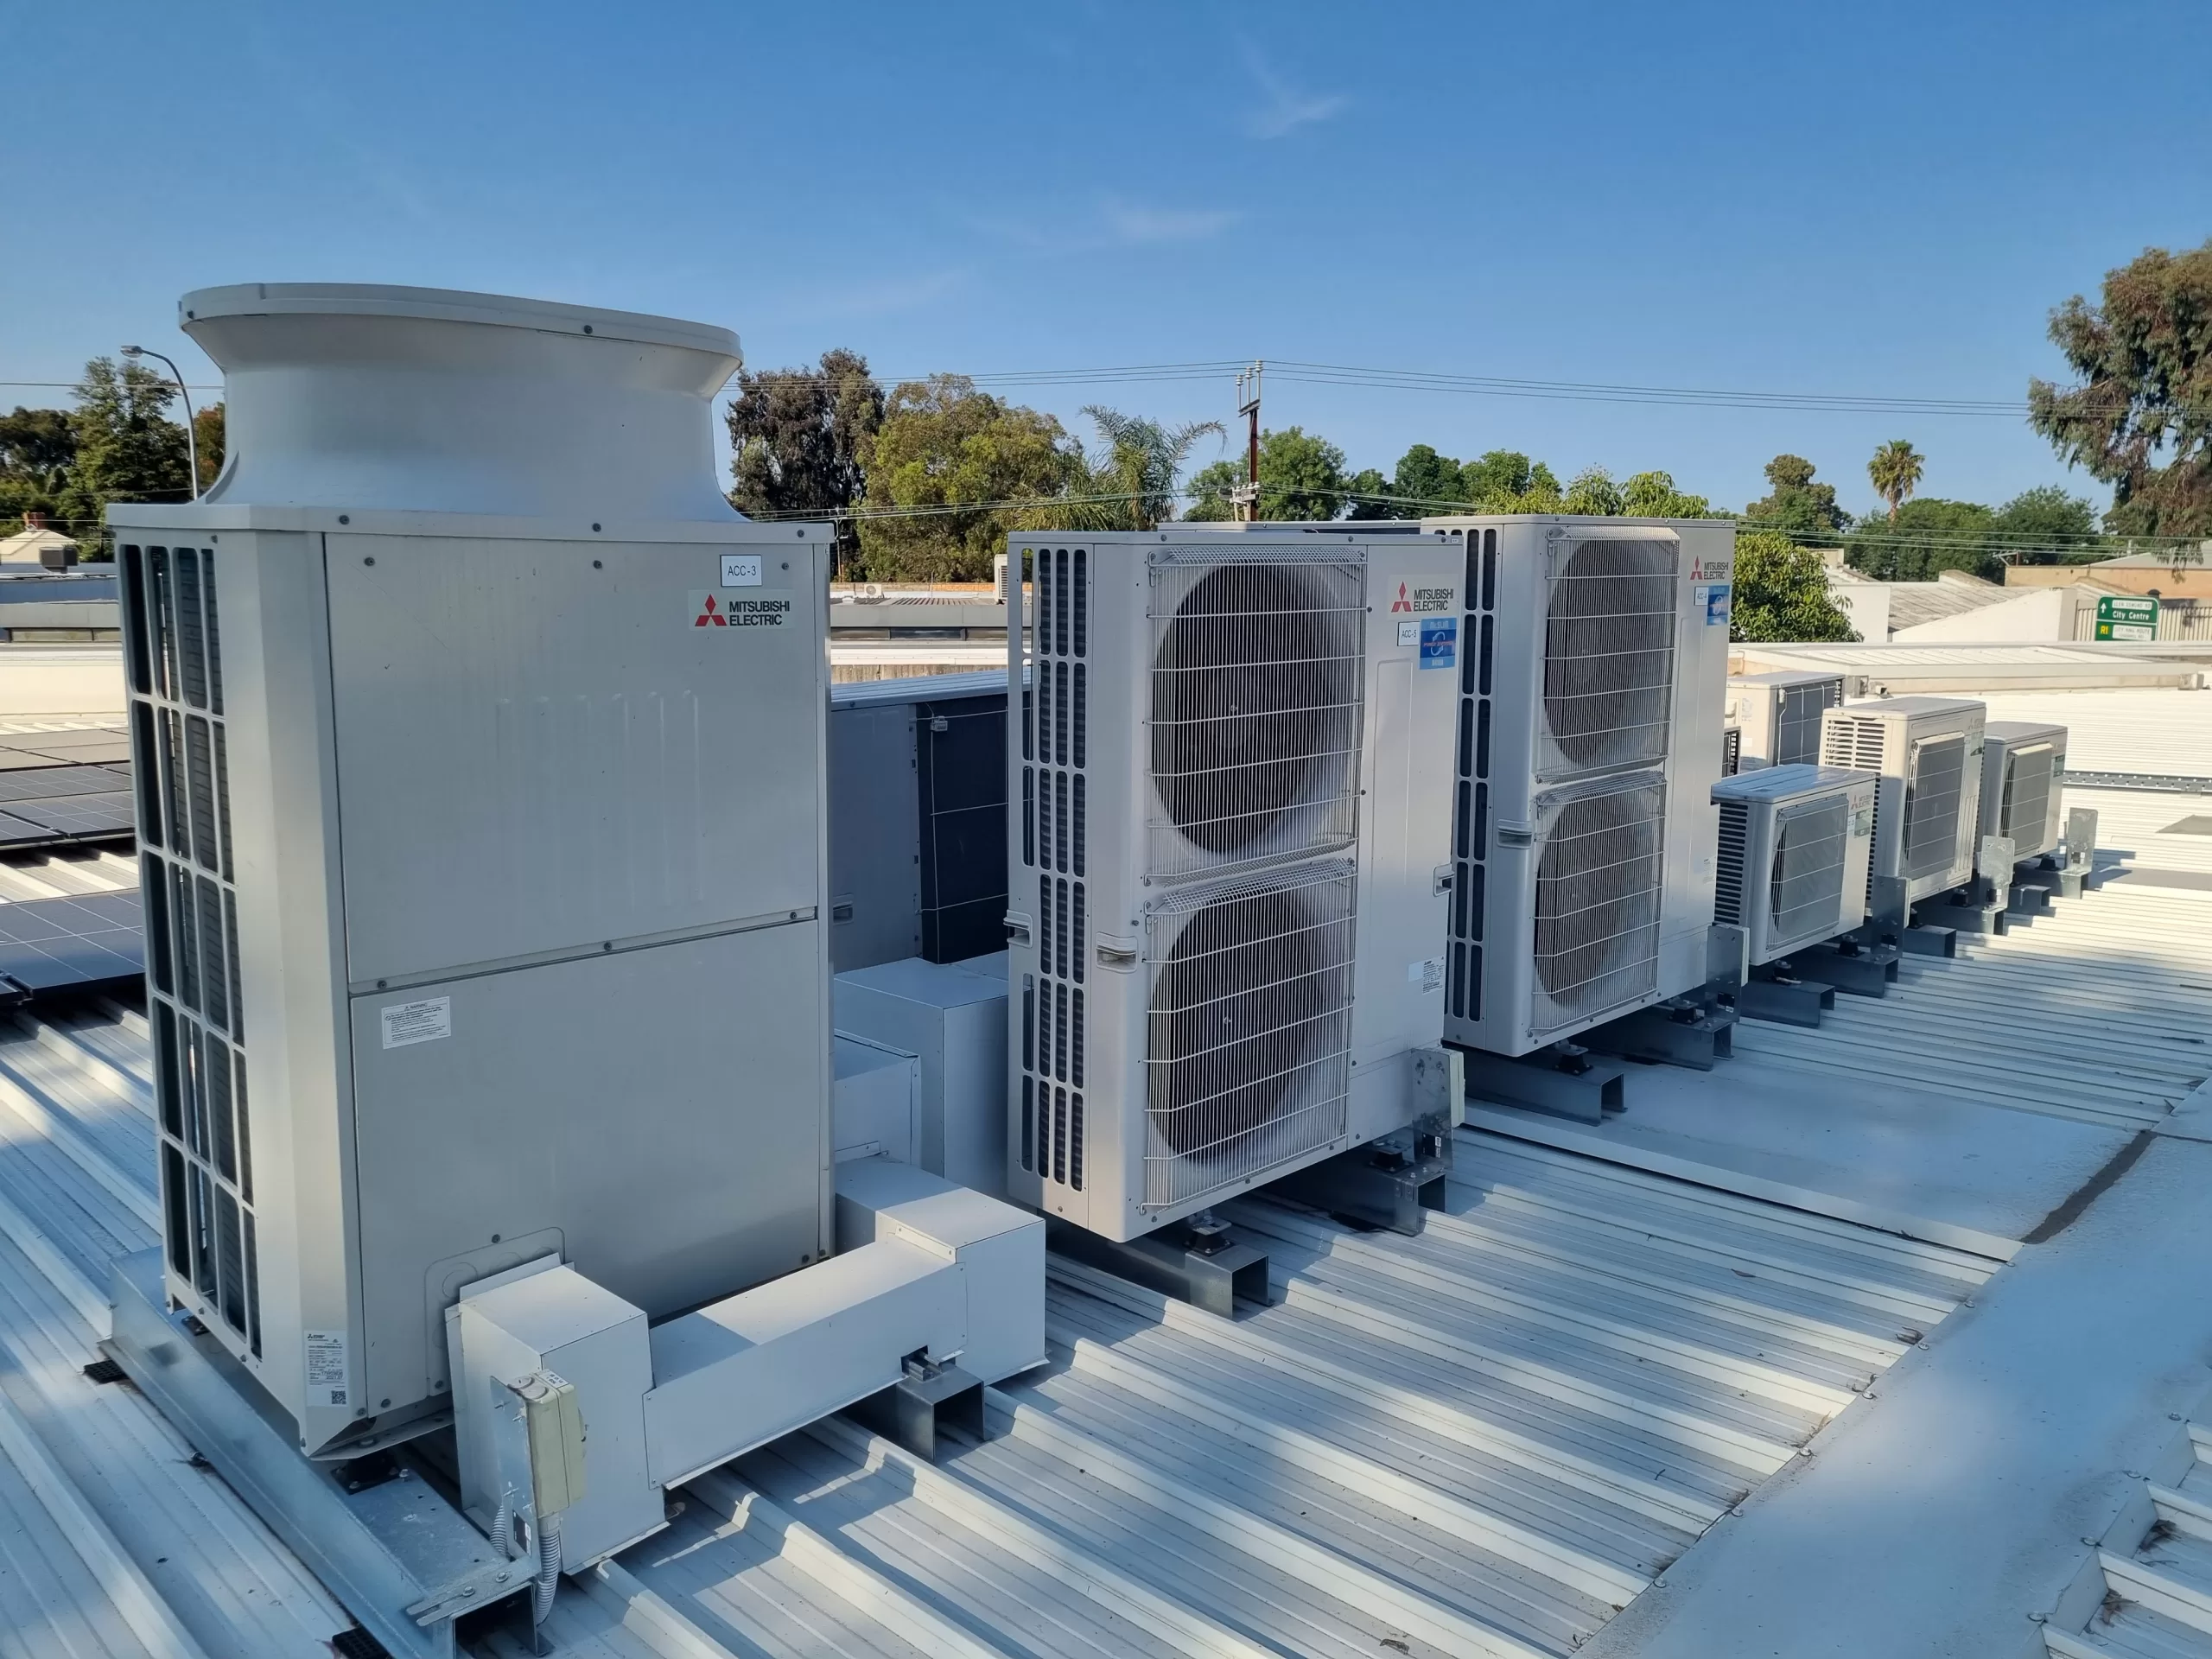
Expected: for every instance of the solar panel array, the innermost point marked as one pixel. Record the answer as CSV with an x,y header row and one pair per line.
x,y
61,787
88,942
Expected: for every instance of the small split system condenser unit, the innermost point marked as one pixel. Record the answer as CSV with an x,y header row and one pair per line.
x,y
1928,754
1779,715
1794,841
1229,859
1588,739
480,755
2023,776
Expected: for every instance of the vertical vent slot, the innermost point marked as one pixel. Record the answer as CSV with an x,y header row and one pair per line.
x,y
137,647
164,624
1076,933
173,774
146,770
154,878
1029,816
174,1214
1082,716
1082,587
1075,1039
1061,748
1029,1125
1490,570
191,641
1060,1134
1029,1022
1060,636
245,1132
1489,624
1041,608
1059,820
1081,819
215,976
1060,929
1075,1141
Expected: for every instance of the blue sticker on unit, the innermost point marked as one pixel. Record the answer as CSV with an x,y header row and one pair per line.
x,y
1439,642
1716,605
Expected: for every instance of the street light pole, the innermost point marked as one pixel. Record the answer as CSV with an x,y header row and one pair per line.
x,y
191,439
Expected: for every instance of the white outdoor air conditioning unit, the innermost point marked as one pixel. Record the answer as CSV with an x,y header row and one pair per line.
x,y
1229,859
2023,775
1928,754
1588,742
1795,841
479,753
1779,715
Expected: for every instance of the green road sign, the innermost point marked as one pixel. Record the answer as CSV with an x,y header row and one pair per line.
x,y
2126,618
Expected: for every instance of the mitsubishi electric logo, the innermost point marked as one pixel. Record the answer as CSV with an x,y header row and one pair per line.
x,y
1703,569
1402,603
1421,598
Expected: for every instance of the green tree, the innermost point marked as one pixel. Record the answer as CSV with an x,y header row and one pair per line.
x,y
127,448
1131,484
1436,483
941,471
2145,358
1301,477
1592,492
795,439
2045,525
1895,473
210,433
37,448
1371,496
1928,537
1653,495
1782,592
1797,507
1504,475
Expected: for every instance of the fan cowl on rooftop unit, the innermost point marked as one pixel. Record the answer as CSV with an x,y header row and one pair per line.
x,y
1794,845
2022,777
1588,741
1229,859
1928,754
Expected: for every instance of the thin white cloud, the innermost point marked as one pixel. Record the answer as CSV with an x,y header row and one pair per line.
x,y
1287,107
906,292
1115,222
1133,223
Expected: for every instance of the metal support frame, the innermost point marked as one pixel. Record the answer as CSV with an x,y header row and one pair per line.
x,y
1388,1184
1929,941
1957,918
1196,1261
1788,1002
1696,1030
1855,964
402,1561
2028,901
929,1397
1561,1081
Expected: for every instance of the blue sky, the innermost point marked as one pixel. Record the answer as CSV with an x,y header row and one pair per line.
x,y
1879,198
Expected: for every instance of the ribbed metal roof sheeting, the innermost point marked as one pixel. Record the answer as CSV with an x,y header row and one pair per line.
x,y
2121,730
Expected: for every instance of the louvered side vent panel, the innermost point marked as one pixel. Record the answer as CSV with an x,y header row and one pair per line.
x,y
1056,737
1728,875
1854,743
1248,1050
2023,812
179,749
1732,750
1462,988
1935,783
1600,870
1805,887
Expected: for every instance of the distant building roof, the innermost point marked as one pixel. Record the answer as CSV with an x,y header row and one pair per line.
x,y
2197,558
27,545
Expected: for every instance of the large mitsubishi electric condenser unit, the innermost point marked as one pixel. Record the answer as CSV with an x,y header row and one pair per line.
x,y
1928,754
1588,741
2022,777
1794,845
1229,838
480,748
1779,715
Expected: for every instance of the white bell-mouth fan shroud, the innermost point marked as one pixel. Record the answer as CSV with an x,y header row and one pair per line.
x,y
1589,737
1227,845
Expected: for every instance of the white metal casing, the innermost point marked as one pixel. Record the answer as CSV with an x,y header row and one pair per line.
x,y
1794,841
1779,715
1117,912
1536,754
463,837
1928,754
2023,785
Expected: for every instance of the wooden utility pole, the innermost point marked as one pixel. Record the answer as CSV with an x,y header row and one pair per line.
x,y
1248,404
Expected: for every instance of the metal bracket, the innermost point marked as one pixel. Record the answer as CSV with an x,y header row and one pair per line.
x,y
1857,966
1925,941
1561,1081
929,1397
1785,1002
1679,1032
1198,1263
1389,1183
1988,917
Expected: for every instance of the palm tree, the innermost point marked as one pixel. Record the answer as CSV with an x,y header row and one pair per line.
x,y
1895,472
1139,464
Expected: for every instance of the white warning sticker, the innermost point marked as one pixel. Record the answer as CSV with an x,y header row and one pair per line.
x,y
1428,974
741,569
326,1357
424,1021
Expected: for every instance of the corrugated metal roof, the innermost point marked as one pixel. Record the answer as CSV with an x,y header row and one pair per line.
x,y
1485,1439
2123,729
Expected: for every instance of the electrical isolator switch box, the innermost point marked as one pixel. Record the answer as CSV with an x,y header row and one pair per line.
x,y
556,1429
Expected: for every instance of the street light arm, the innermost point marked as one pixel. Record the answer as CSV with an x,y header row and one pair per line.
x,y
191,437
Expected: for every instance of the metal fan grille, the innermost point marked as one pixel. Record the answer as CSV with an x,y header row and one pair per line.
x,y
1935,786
1256,690
1248,1055
2024,811
1599,882
1608,655
1797,721
1805,888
